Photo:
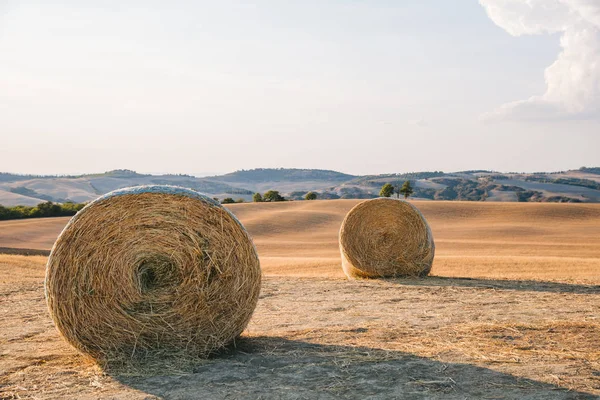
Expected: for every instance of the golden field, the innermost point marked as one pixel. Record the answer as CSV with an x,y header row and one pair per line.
x,y
512,310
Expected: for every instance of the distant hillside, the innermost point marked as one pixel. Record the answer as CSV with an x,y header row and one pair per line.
x,y
7,177
32,190
282,174
595,171
283,179
582,185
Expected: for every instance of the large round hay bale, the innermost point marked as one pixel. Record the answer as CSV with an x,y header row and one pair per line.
x,y
385,238
152,270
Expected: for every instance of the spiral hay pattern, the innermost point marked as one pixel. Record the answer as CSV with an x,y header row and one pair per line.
x,y
152,270
386,238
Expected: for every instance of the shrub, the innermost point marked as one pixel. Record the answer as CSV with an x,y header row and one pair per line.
x,y
273,195
310,196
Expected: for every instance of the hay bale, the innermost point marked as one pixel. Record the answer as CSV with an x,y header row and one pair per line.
x,y
152,270
385,238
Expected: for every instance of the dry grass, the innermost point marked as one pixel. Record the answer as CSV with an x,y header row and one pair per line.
x,y
546,332
529,240
385,238
480,240
522,322
38,233
444,335
144,274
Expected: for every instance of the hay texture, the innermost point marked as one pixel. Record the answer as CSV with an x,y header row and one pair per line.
x,y
152,269
385,238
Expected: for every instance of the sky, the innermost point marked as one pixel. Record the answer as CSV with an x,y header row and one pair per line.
x,y
362,87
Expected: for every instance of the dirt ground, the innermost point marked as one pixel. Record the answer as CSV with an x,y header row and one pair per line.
x,y
512,311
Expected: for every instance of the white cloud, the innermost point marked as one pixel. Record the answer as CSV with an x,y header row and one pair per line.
x,y
573,80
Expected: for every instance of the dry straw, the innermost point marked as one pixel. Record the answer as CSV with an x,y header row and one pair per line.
x,y
152,270
386,238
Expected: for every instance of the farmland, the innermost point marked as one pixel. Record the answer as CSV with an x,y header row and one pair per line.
x,y
511,310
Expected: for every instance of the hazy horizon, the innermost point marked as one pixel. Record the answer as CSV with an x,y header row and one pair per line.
x,y
356,87
217,173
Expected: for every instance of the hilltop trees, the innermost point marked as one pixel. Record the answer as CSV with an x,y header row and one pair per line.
x,y
406,190
310,196
269,196
273,195
386,190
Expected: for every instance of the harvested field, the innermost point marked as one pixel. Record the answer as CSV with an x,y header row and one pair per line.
x,y
512,311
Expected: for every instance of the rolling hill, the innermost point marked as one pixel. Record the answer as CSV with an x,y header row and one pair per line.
x,y
582,185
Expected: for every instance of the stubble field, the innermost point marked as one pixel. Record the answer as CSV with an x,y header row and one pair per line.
x,y
512,310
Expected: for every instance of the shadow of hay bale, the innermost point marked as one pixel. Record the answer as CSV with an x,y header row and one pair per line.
x,y
277,368
23,252
501,284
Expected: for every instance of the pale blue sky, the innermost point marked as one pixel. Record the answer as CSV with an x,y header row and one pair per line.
x,y
356,86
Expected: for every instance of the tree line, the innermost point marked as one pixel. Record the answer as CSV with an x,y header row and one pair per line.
x,y
42,210
273,195
267,197
388,189
68,209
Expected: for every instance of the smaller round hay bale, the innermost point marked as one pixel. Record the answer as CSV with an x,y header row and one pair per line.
x,y
386,237
152,271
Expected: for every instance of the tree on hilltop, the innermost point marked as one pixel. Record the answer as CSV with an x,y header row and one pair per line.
x,y
386,190
406,189
273,195
310,196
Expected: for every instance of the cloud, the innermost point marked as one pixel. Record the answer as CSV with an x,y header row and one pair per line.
x,y
573,80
